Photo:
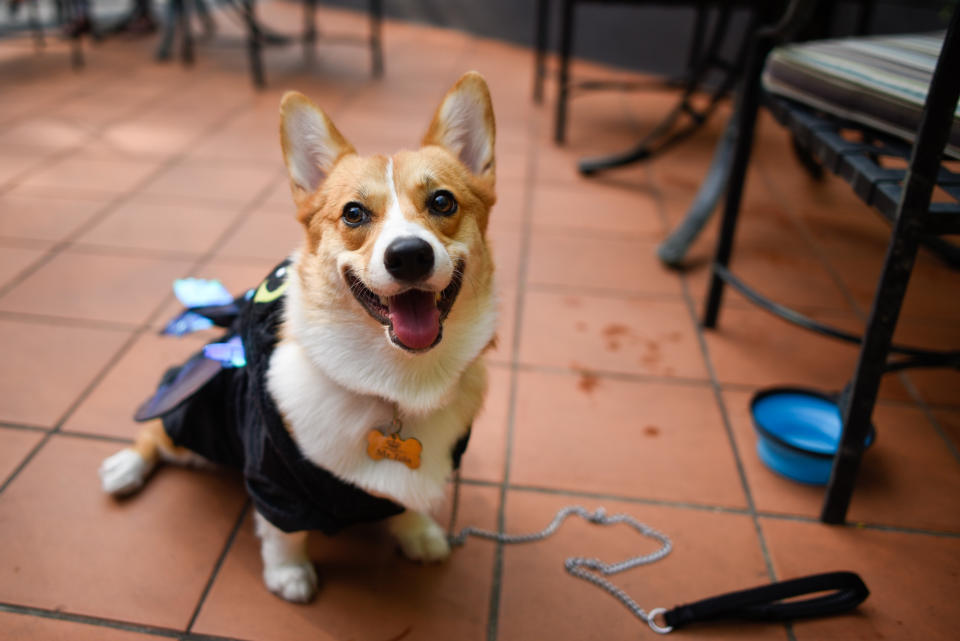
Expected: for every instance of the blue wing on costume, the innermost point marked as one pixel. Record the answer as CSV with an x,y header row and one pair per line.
x,y
199,292
186,323
189,378
228,354
208,304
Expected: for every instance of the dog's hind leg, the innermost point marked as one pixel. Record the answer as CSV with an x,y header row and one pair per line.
x,y
287,569
125,472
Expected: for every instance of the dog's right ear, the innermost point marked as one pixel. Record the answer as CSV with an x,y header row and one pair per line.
x,y
311,144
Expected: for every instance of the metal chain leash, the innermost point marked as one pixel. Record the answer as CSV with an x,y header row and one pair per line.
x,y
581,567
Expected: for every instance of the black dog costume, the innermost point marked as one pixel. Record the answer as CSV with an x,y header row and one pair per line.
x,y
225,413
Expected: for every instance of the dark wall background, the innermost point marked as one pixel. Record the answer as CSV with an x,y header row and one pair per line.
x,y
652,38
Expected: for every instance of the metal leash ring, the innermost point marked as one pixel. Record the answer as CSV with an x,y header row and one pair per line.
x,y
652,621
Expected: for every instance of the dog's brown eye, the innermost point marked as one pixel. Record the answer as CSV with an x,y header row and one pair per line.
x,y
354,214
442,203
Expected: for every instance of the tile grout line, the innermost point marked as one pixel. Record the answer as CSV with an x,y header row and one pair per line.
x,y
24,462
669,380
493,616
604,292
102,622
59,615
724,415
218,564
683,505
68,321
606,374
92,436
26,427
877,527
858,311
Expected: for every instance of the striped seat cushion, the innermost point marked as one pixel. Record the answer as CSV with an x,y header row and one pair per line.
x,y
880,82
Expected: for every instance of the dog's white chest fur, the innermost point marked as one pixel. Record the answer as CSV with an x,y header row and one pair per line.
x,y
330,424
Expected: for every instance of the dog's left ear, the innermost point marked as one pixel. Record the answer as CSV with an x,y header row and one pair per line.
x,y
463,124
311,144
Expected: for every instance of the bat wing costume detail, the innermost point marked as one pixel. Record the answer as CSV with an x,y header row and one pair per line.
x,y
217,405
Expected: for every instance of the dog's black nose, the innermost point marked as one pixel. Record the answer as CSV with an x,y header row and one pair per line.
x,y
409,259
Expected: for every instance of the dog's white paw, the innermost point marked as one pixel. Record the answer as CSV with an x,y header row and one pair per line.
x,y
296,582
420,538
124,472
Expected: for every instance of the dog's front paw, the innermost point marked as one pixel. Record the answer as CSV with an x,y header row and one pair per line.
x,y
296,582
420,538
124,472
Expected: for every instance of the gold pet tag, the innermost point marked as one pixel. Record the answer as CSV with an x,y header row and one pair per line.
x,y
391,446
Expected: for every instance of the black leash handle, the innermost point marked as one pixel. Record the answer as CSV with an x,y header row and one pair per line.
x,y
764,603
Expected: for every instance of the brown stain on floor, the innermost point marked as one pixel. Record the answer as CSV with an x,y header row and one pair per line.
x,y
587,380
612,334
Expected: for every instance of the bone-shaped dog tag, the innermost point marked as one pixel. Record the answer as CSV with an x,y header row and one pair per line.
x,y
391,446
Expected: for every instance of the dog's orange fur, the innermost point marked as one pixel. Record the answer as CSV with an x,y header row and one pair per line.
x,y
152,439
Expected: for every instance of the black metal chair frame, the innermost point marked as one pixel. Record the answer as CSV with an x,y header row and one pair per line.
x,y
816,18
682,120
260,36
36,29
902,196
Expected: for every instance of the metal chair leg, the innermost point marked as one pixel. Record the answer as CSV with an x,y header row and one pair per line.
x,y
186,33
165,48
309,31
254,46
859,404
33,13
912,215
203,12
563,81
376,37
541,27
746,118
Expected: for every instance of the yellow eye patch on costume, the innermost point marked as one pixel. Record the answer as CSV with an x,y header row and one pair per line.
x,y
272,287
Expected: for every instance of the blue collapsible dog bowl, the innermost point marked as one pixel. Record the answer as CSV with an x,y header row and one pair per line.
x,y
798,432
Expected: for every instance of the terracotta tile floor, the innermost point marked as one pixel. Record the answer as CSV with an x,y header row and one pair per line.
x,y
604,391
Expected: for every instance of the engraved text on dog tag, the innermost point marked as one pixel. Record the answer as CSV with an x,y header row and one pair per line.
x,y
392,446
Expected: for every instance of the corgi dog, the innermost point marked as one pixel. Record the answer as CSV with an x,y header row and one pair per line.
x,y
364,349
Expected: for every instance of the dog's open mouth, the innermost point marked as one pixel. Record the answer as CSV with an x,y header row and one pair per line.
x,y
414,318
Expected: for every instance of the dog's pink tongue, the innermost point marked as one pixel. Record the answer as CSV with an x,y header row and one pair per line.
x,y
415,318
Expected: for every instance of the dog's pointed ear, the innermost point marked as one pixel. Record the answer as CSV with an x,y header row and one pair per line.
x,y
311,144
464,125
